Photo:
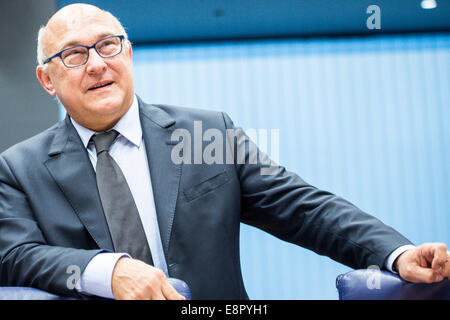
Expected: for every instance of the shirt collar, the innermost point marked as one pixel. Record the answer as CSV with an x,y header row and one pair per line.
x,y
129,126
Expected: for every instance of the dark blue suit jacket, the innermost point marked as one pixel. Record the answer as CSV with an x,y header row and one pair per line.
x,y
51,215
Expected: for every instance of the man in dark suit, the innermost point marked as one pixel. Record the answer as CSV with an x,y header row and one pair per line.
x,y
56,204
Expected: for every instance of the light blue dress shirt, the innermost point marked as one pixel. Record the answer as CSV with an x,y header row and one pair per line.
x,y
128,150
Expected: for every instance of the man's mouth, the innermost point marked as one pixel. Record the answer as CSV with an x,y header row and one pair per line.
x,y
99,85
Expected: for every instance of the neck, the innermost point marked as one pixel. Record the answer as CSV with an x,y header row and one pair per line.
x,y
102,122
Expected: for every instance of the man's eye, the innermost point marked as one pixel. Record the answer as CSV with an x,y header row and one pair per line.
x,y
106,44
74,52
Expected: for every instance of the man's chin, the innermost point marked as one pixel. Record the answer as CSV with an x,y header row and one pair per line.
x,y
106,104
109,109
102,109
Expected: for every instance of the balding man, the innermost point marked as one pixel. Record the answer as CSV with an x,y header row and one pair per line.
x,y
100,191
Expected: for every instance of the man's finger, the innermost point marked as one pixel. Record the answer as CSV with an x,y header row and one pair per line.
x,y
439,253
159,296
170,293
418,274
446,269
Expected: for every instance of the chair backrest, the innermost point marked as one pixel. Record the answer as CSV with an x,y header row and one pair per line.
x,y
373,284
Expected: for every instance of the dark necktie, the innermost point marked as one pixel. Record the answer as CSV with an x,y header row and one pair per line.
x,y
118,204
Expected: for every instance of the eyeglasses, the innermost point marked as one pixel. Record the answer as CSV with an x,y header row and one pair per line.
x,y
79,55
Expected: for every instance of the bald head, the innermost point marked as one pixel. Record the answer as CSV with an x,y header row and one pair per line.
x,y
70,20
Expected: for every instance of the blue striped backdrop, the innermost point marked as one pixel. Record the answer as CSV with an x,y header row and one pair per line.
x,y
365,118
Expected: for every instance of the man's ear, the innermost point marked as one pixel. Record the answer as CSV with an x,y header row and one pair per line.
x,y
45,80
129,48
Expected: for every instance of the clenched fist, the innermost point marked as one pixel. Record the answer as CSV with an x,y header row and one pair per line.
x,y
135,280
429,262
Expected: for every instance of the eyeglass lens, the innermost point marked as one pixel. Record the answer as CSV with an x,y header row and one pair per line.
x,y
105,48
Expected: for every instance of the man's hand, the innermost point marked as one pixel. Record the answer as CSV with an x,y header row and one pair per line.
x,y
135,280
427,263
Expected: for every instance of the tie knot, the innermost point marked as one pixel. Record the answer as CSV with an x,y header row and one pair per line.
x,y
103,141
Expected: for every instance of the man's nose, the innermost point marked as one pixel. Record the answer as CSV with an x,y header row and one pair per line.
x,y
95,63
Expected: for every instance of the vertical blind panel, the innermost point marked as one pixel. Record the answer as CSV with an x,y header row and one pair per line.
x,y
365,118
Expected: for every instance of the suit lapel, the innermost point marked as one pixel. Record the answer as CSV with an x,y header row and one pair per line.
x,y
165,175
71,168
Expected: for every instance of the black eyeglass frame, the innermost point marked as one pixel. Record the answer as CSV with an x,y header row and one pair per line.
x,y
88,48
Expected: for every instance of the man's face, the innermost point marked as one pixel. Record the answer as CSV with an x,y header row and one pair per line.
x,y
95,108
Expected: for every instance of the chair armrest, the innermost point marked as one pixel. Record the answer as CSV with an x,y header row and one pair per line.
x,y
372,284
27,293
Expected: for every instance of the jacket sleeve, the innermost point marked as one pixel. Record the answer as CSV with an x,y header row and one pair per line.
x,y
284,205
25,257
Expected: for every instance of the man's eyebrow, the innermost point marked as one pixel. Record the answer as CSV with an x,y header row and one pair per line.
x,y
74,43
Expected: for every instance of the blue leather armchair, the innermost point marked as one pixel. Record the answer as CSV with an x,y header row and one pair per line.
x,y
25,293
372,284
